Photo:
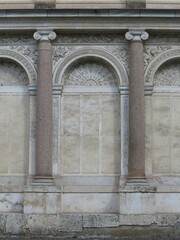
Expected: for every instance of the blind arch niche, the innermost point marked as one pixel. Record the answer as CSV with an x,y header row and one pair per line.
x,y
90,119
14,118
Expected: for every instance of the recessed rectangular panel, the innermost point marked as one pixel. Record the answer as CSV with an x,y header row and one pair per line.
x,y
71,115
161,135
175,110
71,154
4,132
19,140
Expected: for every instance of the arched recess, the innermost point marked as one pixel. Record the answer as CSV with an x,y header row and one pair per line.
x,y
91,113
23,61
95,53
16,74
157,62
163,114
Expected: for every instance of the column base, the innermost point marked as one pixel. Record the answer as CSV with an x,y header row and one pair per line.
x,y
136,180
43,180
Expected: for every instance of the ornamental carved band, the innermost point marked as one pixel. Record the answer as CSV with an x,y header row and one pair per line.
x,y
137,35
44,35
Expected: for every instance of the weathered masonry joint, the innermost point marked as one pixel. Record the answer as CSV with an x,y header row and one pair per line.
x,y
89,124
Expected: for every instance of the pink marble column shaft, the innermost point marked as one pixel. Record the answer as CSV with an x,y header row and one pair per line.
x,y
136,105
44,114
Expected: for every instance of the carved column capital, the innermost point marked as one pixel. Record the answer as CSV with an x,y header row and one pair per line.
x,y
44,35
135,35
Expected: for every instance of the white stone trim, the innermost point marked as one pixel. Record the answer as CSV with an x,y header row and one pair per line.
x,y
157,62
89,52
23,61
15,89
90,89
124,92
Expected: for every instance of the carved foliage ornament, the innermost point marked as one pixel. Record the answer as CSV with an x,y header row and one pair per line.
x,y
90,74
30,52
158,61
152,51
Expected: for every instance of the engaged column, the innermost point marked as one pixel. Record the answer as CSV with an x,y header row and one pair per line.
x,y
136,106
44,114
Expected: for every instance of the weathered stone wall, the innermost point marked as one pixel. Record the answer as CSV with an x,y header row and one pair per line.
x,y
90,129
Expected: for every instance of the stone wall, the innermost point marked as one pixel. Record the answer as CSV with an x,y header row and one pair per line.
x,y
90,135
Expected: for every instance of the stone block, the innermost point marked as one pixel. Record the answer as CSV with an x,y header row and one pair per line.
x,y
137,220
90,203
42,202
168,203
98,221
3,219
11,202
53,224
137,203
15,224
165,220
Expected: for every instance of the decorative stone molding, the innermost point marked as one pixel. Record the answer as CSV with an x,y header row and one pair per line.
x,y
136,4
28,51
152,51
90,74
23,61
157,62
148,90
25,38
121,53
57,90
12,74
168,75
59,52
41,4
134,35
44,35
32,90
124,91
90,53
89,38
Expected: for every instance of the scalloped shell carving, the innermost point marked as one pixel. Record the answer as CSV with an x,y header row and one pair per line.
x,y
90,74
168,75
11,74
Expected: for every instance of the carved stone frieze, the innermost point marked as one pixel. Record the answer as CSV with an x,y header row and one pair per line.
x,y
59,52
168,75
90,38
121,53
162,38
158,61
30,52
18,57
16,38
11,74
152,51
90,74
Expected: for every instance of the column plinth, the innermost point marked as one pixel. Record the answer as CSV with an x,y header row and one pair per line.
x,y
136,166
44,114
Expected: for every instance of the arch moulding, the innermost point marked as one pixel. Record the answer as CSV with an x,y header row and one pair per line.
x,y
157,62
23,62
86,52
